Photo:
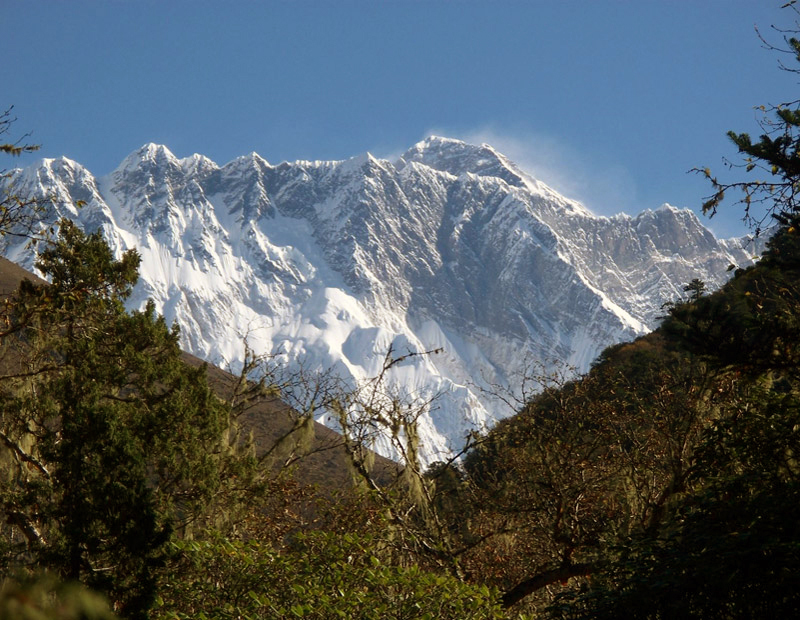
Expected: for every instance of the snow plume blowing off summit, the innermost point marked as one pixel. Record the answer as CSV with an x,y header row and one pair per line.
x,y
331,263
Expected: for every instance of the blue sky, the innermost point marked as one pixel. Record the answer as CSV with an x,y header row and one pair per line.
x,y
609,102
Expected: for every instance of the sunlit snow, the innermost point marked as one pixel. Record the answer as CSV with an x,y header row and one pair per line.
x,y
329,264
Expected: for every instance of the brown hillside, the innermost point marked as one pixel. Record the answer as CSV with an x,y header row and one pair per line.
x,y
268,420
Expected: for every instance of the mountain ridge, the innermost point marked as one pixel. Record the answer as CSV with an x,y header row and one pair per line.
x,y
451,246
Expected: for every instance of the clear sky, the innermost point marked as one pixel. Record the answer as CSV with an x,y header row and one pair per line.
x,y
609,102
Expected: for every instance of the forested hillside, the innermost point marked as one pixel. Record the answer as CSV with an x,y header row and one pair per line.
x,y
664,483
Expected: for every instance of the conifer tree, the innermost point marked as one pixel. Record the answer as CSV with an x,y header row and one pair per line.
x,y
110,440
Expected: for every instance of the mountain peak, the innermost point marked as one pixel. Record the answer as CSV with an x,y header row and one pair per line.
x,y
61,163
457,157
150,153
251,161
155,152
361,163
197,164
440,142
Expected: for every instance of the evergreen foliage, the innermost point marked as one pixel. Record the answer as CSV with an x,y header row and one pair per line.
x,y
108,436
775,155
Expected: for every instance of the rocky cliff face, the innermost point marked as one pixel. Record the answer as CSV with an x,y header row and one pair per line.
x,y
330,263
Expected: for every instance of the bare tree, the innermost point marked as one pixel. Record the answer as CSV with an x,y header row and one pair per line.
x,y
18,214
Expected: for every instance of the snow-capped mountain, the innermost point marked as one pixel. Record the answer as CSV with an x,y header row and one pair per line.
x,y
329,263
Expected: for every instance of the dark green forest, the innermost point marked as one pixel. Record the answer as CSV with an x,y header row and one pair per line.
x,y
663,483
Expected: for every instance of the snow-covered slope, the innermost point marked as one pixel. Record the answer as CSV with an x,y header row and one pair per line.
x,y
330,263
